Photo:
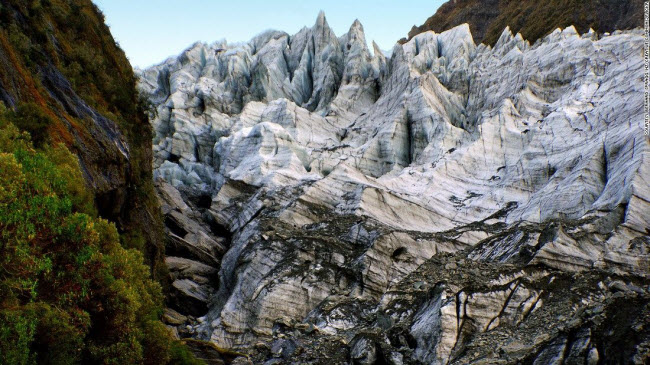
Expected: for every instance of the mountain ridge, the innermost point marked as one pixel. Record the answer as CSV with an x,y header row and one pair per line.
x,y
533,19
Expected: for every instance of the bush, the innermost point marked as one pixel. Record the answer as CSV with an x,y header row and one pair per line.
x,y
31,118
69,292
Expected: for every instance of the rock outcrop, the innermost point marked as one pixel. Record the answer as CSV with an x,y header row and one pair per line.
x,y
452,204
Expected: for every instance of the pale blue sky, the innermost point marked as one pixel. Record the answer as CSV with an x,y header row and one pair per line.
x,y
151,30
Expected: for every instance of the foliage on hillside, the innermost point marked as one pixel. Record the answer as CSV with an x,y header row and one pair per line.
x,y
533,19
72,35
69,292
42,39
78,221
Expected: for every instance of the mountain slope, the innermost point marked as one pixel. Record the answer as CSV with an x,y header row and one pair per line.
x,y
533,19
455,203
73,290
58,58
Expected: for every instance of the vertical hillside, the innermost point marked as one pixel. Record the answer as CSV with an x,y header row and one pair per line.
x,y
59,60
79,220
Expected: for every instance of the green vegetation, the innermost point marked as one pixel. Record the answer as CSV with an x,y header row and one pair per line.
x,y
74,287
39,38
30,118
180,354
72,35
69,292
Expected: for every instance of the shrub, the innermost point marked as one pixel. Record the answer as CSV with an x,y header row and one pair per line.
x,y
31,118
69,292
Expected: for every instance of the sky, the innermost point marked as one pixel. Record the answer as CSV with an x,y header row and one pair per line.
x,y
149,31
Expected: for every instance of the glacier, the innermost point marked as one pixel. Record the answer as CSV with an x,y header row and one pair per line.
x,y
451,203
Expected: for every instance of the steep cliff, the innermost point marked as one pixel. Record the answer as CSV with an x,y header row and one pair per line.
x,y
456,203
533,19
74,284
59,60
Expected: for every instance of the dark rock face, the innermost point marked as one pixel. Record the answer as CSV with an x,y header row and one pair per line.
x,y
533,19
59,57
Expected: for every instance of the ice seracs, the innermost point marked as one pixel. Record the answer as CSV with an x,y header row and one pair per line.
x,y
337,175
